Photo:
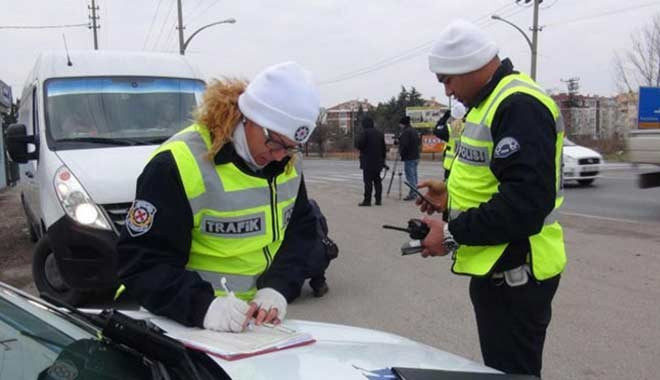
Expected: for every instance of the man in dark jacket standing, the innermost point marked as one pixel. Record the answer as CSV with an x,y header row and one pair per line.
x,y
372,159
409,142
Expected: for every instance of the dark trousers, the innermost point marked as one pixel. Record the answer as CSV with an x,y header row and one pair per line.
x,y
512,322
372,181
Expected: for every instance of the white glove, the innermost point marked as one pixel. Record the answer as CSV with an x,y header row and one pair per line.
x,y
268,298
226,314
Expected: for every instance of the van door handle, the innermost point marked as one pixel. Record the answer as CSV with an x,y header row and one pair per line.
x,y
29,174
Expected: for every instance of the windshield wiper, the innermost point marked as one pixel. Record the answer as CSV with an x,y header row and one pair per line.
x,y
103,140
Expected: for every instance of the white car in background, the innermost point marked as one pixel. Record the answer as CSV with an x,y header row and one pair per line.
x,y
581,164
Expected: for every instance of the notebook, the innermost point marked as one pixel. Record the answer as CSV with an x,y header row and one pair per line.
x,y
256,340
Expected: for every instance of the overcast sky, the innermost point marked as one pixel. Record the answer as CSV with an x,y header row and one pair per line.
x,y
355,49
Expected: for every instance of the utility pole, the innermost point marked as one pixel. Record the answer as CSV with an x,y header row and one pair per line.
x,y
535,37
181,48
94,25
573,86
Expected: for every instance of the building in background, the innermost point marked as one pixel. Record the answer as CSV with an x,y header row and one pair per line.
x,y
5,109
597,117
344,115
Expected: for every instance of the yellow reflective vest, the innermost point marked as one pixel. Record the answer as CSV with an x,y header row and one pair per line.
x,y
455,130
472,183
239,220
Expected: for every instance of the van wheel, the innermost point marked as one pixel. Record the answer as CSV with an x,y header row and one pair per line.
x,y
48,277
585,182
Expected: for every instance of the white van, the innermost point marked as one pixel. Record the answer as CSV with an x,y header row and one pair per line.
x,y
88,121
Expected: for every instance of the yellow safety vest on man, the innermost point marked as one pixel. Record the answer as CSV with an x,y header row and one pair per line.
x,y
472,183
451,146
239,220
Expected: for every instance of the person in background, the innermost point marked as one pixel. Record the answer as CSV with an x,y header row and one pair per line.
x,y
503,196
215,201
409,149
371,145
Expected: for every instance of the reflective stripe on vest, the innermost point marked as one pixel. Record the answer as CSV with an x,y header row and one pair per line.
x,y
472,183
239,220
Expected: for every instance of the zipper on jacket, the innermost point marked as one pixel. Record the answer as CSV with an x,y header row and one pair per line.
x,y
273,206
268,256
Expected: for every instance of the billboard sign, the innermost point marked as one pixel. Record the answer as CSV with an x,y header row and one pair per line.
x,y
424,117
432,144
649,108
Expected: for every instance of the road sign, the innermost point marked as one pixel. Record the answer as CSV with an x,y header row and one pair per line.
x,y
649,108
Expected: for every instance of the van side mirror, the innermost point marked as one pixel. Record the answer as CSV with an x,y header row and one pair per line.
x,y
17,144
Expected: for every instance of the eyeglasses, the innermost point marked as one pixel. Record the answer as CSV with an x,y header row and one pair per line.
x,y
275,145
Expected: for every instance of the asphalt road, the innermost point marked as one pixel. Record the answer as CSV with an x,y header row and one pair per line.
x,y
614,196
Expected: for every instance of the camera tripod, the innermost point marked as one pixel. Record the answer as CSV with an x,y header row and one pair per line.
x,y
394,172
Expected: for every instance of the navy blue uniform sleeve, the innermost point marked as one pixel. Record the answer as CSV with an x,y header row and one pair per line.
x,y
526,194
152,262
288,271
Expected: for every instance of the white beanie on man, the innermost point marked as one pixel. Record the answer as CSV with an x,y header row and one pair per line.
x,y
283,98
461,48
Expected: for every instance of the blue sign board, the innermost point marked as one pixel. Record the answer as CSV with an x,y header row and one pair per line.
x,y
649,107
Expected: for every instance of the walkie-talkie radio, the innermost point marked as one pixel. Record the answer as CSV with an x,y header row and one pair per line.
x,y
417,231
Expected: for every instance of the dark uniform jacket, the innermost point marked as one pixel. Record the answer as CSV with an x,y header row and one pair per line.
x,y
409,144
152,265
526,193
371,144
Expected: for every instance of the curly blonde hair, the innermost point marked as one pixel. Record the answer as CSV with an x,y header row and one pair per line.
x,y
219,111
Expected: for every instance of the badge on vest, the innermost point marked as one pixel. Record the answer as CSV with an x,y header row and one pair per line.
x,y
473,155
286,213
140,218
506,147
245,226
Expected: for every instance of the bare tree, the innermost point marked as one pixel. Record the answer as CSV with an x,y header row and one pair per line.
x,y
322,133
640,66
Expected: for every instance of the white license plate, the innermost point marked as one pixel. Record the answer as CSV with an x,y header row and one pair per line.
x,y
590,168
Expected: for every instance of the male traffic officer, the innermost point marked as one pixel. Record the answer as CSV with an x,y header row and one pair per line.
x,y
503,195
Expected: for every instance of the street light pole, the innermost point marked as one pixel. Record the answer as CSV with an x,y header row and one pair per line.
x,y
534,42
180,11
184,45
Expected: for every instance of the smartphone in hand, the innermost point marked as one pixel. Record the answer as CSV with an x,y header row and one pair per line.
x,y
416,191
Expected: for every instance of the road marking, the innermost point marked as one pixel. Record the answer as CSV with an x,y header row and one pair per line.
x,y
603,217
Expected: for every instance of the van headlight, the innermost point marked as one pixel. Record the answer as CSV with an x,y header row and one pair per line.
x,y
568,160
76,202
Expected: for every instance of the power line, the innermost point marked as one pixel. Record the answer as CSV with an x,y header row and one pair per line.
x,y
551,5
397,58
162,27
609,13
153,21
44,26
205,10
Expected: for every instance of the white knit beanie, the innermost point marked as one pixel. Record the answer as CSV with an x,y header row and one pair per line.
x,y
461,48
284,99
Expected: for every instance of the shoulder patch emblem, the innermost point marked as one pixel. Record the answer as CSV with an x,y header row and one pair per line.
x,y
140,218
506,147
301,133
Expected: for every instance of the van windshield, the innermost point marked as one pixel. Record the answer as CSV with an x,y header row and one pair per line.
x,y
89,112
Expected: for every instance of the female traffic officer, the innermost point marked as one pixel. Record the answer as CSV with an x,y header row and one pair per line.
x,y
214,202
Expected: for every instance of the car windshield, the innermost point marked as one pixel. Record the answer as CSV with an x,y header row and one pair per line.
x,y
36,343
118,110
568,142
